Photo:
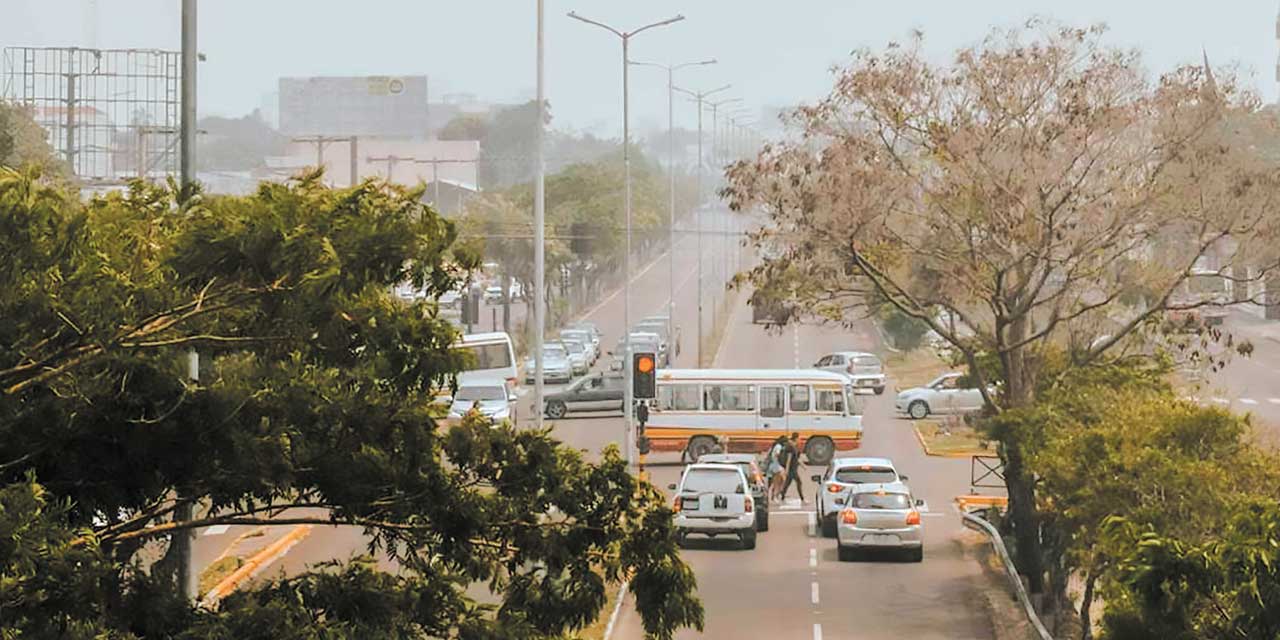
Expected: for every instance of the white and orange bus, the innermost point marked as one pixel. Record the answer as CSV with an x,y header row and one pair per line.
x,y
751,408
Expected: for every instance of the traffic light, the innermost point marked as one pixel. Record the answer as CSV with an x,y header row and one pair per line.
x,y
644,376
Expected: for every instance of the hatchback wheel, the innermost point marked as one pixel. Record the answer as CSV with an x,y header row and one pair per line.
x,y
829,526
556,409
846,554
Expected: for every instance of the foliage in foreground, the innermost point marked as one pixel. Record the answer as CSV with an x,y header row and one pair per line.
x,y
311,407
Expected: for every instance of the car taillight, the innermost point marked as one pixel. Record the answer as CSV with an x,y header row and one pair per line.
x,y
834,488
913,517
675,506
511,382
748,504
849,516
759,478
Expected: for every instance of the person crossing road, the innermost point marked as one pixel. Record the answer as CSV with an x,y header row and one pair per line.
x,y
791,462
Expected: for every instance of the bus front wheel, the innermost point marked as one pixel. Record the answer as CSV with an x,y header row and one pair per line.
x,y
820,450
699,446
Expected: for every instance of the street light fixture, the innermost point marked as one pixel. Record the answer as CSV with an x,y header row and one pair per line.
x,y
671,172
625,36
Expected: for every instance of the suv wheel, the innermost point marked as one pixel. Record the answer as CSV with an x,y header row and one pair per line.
x,y
762,519
918,410
556,409
748,539
819,450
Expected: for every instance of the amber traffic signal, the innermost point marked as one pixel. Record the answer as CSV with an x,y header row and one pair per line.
x,y
644,376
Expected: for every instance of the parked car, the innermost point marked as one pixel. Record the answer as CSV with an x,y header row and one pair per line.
x,y
579,357
880,516
842,474
759,489
492,398
640,342
586,338
712,500
864,370
493,294
943,395
449,300
599,392
555,365
589,326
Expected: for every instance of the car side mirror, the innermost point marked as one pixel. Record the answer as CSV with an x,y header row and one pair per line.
x,y
609,352
903,478
739,489
672,486
919,502
816,478
512,398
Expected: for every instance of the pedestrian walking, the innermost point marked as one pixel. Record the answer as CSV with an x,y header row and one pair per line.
x,y
774,468
791,461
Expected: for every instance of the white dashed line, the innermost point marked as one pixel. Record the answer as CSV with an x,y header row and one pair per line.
x,y
933,515
1221,400
1248,401
216,530
813,557
817,631
813,524
813,592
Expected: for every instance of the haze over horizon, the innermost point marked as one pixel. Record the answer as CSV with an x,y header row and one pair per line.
x,y
774,55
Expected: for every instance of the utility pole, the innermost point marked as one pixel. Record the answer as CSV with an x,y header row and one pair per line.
x,y
435,173
671,189
392,161
699,97
181,539
628,402
322,141
539,232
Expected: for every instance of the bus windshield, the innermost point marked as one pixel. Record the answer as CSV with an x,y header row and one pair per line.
x,y
485,356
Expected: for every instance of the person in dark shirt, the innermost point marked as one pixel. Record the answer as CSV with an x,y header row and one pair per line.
x,y
791,462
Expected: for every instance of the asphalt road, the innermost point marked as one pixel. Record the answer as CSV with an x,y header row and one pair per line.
x,y
1250,384
791,585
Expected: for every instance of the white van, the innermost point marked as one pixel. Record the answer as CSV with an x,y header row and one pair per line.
x,y
490,357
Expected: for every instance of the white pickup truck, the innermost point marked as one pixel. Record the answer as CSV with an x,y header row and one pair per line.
x,y
863,370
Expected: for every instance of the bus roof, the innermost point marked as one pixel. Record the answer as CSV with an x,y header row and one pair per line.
x,y
807,375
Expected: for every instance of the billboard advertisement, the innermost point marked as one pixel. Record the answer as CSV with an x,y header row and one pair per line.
x,y
380,106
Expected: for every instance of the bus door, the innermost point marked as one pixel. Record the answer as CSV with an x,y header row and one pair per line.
x,y
771,420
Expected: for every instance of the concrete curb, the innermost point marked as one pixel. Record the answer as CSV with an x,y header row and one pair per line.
x,y
929,452
617,609
255,564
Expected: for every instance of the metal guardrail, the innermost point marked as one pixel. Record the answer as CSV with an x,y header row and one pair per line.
x,y
980,524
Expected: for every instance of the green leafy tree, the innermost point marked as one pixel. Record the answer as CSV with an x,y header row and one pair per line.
x,y
1009,200
313,406
508,149
236,144
23,142
465,126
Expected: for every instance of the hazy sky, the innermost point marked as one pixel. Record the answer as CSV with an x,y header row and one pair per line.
x,y
774,52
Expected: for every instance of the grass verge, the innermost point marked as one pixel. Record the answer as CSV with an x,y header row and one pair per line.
x,y
914,368
952,438
218,571
725,314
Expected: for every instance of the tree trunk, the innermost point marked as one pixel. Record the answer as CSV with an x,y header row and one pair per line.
x,y
1086,602
1019,392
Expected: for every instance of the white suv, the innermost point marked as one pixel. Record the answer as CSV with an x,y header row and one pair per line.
x,y
864,370
841,475
714,499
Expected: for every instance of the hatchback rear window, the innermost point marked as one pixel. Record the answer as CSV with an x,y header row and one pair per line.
x,y
865,475
713,481
881,501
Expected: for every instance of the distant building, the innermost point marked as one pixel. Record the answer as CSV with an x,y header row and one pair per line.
x,y
367,106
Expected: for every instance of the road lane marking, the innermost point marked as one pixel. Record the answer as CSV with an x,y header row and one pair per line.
x,y
1221,400
1248,401
813,524
817,631
813,592
933,515
1273,400
216,530
790,513
813,557
617,609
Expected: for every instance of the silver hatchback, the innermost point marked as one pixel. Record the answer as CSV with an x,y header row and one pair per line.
x,y
880,516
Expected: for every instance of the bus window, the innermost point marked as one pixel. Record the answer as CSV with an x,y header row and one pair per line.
x,y
486,356
728,397
772,403
829,400
799,398
678,397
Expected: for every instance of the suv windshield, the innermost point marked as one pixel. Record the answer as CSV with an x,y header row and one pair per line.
x,y
575,347
713,481
865,475
555,351
471,394
881,501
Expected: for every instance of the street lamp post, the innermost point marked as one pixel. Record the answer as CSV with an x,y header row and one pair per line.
x,y
699,97
671,172
539,234
717,158
628,402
